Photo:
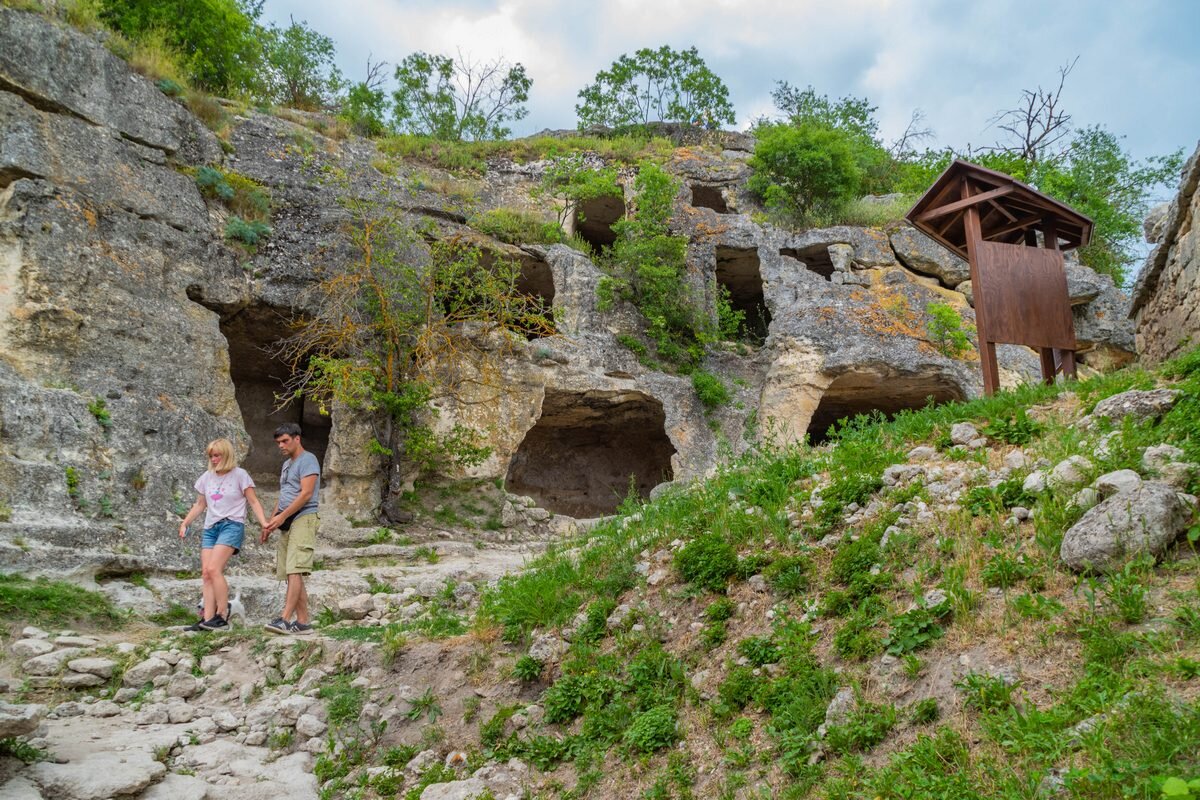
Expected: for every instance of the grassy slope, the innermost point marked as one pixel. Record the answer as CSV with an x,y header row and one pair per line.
x,y
743,677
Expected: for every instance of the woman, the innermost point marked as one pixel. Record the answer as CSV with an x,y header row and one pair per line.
x,y
222,493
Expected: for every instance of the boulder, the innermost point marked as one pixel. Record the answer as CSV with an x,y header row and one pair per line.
x,y
1121,480
145,672
455,790
31,648
1069,472
50,663
356,607
1156,458
102,667
178,787
20,720
1143,520
1139,404
963,433
99,776
921,254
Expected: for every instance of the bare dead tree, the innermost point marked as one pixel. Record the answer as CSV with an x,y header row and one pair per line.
x,y
916,131
1038,122
376,77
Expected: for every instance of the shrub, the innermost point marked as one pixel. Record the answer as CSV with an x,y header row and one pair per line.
x,y
788,574
947,331
707,562
915,629
858,638
986,692
1003,570
805,168
248,233
925,711
55,603
516,227
738,689
99,409
711,390
1017,428
652,730
865,728
759,650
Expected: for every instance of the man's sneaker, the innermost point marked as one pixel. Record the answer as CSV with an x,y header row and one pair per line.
x,y
215,624
279,625
301,629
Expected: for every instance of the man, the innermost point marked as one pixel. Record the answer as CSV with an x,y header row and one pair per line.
x,y
297,519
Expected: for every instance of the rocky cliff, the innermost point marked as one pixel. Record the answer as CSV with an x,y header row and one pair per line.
x,y
133,332
1166,297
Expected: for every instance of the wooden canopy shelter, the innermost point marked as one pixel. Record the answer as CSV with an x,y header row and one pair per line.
x,y
1020,289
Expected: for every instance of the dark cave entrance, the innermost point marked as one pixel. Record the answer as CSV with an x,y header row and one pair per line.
x,y
815,259
857,393
535,284
258,375
579,458
738,271
594,220
704,196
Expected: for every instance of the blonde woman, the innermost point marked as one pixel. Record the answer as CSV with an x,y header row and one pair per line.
x,y
222,494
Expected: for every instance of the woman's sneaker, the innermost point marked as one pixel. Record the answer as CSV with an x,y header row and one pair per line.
x,y
279,625
195,627
217,623
301,629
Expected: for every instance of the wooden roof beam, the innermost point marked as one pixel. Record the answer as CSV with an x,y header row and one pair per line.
x,y
966,202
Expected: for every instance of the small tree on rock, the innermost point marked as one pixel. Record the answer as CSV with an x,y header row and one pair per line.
x,y
300,68
457,99
656,86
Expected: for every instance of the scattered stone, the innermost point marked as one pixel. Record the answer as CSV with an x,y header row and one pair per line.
x,y
1138,404
1069,472
20,720
466,789
99,776
1179,474
31,648
1159,456
1015,460
81,680
103,708
184,685
356,607
102,667
30,632
1021,513
50,663
294,707
922,453
1122,480
180,712
311,679
69,709
310,726
84,642
429,587
1144,520
145,672
547,648
211,663
178,787
656,577
20,788
840,707
963,433
225,720
935,597
1035,482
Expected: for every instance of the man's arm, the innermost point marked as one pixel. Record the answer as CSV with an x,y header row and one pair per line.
x,y
308,485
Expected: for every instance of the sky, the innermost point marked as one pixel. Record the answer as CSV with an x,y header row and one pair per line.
x,y
1137,74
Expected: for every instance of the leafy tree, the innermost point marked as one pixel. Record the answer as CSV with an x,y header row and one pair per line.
x,y
805,168
365,105
650,268
401,327
221,40
456,99
855,115
656,85
300,70
571,180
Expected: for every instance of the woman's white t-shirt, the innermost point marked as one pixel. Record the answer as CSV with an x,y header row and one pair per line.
x,y
224,495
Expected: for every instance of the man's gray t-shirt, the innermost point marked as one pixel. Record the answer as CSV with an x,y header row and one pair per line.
x,y
293,470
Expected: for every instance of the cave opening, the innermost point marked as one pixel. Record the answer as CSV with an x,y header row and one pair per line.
x,y
586,449
594,219
855,393
535,287
705,196
259,373
815,259
738,272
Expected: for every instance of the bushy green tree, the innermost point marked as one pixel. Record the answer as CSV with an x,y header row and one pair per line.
x,y
650,265
299,67
571,180
660,85
804,168
220,40
459,100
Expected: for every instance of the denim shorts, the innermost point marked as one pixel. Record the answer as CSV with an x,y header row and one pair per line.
x,y
226,532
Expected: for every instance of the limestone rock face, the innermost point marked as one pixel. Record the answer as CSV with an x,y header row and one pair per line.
x,y
100,776
19,720
1166,295
132,333
921,254
1145,519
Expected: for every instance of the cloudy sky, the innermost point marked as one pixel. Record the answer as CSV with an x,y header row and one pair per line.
x,y
1138,72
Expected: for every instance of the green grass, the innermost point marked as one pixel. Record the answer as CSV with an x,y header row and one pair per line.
x,y
56,603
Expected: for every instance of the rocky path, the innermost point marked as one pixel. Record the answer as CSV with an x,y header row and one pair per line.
x,y
186,716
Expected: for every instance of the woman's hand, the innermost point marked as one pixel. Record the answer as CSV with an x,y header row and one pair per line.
x,y
183,526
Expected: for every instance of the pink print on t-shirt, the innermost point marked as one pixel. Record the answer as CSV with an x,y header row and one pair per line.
x,y
224,495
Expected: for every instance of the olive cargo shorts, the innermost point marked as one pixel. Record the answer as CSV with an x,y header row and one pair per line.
x,y
294,550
